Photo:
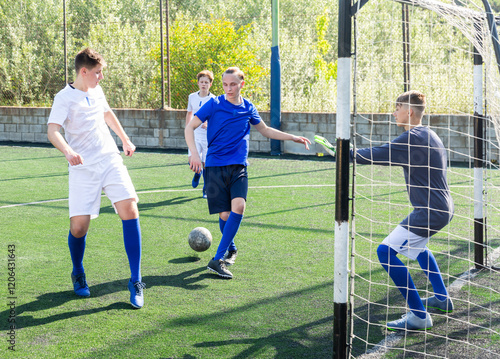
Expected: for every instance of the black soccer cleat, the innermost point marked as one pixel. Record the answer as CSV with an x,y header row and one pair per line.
x,y
219,267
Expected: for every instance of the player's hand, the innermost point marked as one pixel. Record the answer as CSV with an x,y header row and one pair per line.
x,y
195,163
204,125
303,140
128,148
74,159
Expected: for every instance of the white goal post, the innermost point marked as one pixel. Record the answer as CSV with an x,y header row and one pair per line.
x,y
463,88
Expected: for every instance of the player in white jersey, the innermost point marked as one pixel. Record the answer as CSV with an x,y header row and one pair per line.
x,y
95,165
195,102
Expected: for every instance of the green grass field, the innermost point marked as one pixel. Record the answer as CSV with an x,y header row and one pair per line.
x,y
280,302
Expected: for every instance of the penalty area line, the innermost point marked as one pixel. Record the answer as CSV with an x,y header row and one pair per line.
x,y
162,191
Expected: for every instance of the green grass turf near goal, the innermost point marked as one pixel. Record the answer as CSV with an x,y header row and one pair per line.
x,y
280,302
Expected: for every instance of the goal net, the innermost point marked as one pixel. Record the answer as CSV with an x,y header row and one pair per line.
x,y
427,45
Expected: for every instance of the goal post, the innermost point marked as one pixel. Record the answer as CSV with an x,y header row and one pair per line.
x,y
479,134
341,244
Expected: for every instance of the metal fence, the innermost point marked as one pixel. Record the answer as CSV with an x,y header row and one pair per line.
x,y
155,48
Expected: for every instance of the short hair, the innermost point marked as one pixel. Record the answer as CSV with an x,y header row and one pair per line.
x,y
414,99
235,71
205,73
89,59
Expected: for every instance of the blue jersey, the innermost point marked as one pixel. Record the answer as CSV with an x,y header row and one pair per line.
x,y
228,131
423,157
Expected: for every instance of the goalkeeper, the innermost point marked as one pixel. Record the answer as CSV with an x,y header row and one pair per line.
x,y
421,154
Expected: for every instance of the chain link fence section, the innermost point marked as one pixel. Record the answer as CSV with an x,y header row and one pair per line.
x,y
202,34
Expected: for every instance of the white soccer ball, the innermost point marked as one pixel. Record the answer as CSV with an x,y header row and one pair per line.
x,y
200,239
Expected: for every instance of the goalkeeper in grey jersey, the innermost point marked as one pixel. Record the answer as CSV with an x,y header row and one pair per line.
x,y
421,154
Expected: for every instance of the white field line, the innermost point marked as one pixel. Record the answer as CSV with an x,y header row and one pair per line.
x,y
165,191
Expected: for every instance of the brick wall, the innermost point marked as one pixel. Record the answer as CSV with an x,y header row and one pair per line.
x,y
165,129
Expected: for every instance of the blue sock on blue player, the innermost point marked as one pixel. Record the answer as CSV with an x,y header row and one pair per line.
x,y
77,250
222,224
429,265
230,229
402,278
132,241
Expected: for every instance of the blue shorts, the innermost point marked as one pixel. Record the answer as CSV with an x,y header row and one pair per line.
x,y
223,184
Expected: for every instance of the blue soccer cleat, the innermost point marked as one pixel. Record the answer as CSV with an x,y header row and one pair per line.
x,y
136,294
196,180
80,285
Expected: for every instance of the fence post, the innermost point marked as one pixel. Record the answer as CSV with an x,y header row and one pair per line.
x,y
65,44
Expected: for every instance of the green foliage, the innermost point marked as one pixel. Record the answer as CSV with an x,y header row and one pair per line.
x,y
127,84
28,75
215,46
321,65
127,34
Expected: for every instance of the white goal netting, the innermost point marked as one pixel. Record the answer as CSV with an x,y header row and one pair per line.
x,y
443,37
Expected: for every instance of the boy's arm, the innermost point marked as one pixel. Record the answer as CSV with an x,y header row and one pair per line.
x,y
275,134
189,116
60,143
113,122
194,162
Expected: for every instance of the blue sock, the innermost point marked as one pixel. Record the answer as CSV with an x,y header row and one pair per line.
x,y
429,265
230,229
132,240
402,278
77,250
222,224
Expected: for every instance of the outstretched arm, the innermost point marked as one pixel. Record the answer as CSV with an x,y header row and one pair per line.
x,y
275,134
113,123
60,143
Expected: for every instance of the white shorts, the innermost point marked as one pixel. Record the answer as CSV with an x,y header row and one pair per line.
x,y
405,242
200,140
86,184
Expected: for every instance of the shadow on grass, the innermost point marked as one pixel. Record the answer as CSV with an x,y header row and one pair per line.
x,y
147,206
314,339
284,341
56,299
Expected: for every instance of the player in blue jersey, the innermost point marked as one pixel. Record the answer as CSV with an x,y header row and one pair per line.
x,y
95,165
195,101
229,117
421,154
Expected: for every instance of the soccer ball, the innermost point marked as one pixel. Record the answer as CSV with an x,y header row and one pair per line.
x,y
200,239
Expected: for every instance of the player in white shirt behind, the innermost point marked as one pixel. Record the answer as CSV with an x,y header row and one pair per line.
x,y
95,165
195,102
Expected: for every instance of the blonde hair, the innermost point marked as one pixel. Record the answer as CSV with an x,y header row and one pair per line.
x,y
235,71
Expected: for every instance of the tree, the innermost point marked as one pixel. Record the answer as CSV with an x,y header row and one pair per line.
x,y
215,46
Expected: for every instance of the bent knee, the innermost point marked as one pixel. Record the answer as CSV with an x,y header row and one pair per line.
x,y
238,205
78,231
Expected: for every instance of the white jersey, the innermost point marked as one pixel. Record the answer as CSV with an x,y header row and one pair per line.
x,y
195,102
81,114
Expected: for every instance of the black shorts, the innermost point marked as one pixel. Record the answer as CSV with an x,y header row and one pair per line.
x,y
223,184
